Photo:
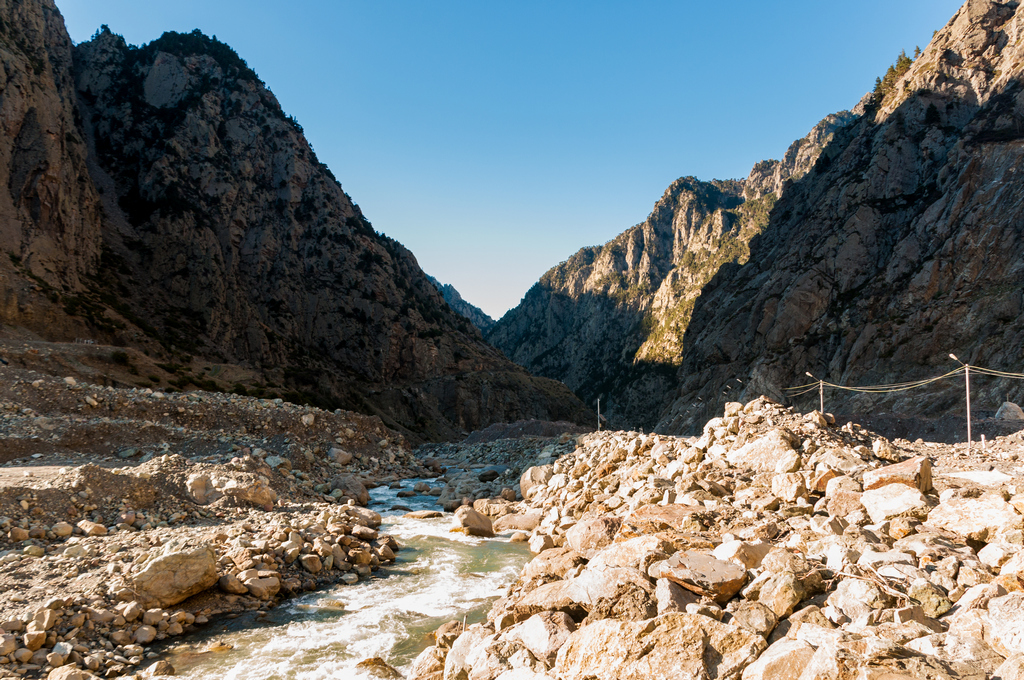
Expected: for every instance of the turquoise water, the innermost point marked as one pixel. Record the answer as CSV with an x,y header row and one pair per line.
x,y
438,577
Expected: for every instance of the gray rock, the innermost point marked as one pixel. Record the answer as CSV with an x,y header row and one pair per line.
x,y
1009,411
351,487
701,574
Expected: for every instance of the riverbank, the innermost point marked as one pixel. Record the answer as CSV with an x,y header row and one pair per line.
x,y
438,577
132,517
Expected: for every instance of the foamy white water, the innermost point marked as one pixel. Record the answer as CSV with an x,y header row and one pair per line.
x,y
438,577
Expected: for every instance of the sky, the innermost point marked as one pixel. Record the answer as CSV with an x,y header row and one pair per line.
x,y
494,139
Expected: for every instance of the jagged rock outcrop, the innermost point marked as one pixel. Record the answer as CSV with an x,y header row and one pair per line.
x,y
609,321
49,209
479,318
160,197
901,246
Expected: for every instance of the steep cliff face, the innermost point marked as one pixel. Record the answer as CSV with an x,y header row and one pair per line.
x,y
477,316
903,244
49,211
609,322
174,206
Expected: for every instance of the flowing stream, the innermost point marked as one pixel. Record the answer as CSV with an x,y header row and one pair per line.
x,y
438,577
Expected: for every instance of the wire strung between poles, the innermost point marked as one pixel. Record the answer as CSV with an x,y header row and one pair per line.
x,y
877,389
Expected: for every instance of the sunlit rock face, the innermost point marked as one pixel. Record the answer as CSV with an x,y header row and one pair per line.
x,y
610,321
902,245
884,240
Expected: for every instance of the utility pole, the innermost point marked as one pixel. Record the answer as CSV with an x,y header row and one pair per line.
x,y
967,382
821,392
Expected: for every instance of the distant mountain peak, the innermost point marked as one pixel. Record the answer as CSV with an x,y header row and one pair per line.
x,y
477,316
610,320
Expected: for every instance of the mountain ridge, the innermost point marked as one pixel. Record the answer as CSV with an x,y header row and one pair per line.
x,y
901,248
161,198
477,316
609,321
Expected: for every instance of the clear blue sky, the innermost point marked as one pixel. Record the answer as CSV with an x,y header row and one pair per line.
x,y
494,139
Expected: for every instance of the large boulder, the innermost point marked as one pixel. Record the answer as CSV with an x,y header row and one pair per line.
x,y
201,488
456,663
470,522
702,574
493,507
590,535
363,516
764,453
589,591
70,672
979,519
668,647
1005,626
894,500
747,554
544,634
672,597
651,519
429,665
552,564
351,487
248,488
1010,411
637,553
532,477
915,473
173,577
784,660
527,521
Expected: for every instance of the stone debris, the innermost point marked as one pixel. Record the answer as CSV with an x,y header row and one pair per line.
x,y
103,555
775,546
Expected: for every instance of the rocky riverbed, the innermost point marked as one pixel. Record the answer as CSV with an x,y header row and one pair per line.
x,y
129,517
775,546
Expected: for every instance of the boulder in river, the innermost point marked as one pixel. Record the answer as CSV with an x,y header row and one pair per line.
x,y
470,522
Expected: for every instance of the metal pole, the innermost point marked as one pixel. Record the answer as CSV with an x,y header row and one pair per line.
x,y
821,395
599,414
967,379
967,383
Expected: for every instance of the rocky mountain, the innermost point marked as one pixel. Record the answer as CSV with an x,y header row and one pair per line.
x,y
610,321
477,316
903,245
159,196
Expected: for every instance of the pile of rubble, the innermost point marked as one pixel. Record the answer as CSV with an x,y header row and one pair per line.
x,y
774,547
144,515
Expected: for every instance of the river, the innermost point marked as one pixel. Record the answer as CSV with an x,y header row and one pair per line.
x,y
438,577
